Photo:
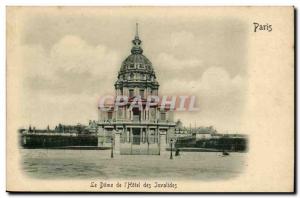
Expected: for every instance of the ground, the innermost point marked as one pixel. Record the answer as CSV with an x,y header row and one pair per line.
x,y
88,164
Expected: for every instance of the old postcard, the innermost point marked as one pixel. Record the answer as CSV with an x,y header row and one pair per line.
x,y
150,99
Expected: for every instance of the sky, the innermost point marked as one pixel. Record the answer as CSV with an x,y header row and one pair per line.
x,y
70,57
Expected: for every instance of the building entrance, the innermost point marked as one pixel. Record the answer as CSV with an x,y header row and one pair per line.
x,y
139,141
136,114
136,136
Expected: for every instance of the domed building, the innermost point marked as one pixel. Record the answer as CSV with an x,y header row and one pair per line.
x,y
137,129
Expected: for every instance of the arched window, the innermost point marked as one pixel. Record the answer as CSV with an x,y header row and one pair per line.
x,y
131,93
142,93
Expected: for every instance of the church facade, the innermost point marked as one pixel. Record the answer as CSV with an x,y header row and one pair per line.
x,y
141,128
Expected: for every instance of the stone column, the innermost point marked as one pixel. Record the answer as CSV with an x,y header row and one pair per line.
x,y
130,135
125,91
127,114
156,136
131,140
116,114
123,113
142,114
147,139
141,135
127,136
117,142
163,144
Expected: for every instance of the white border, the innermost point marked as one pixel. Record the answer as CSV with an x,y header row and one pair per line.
x,y
5,3
150,2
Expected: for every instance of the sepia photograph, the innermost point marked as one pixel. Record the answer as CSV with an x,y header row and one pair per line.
x,y
150,99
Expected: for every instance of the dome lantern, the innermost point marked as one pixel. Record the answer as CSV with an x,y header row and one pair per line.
x,y
136,49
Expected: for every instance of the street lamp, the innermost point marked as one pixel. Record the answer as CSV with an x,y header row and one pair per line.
x,y
112,148
171,154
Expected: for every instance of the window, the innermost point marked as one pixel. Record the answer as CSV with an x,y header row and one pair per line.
x,y
109,115
142,93
153,114
131,76
136,114
131,66
120,113
131,93
163,116
154,93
